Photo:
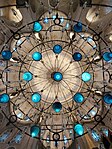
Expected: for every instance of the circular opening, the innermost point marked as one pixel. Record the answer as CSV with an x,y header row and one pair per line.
x,y
53,3
57,21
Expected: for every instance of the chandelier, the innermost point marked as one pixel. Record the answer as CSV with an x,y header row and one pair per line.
x,y
55,78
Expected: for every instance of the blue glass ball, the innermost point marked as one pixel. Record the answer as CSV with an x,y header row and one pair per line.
x,y
36,97
78,97
77,56
107,99
37,27
57,49
107,56
110,54
37,56
78,27
6,55
57,106
57,76
4,98
46,20
27,76
86,76
34,131
79,129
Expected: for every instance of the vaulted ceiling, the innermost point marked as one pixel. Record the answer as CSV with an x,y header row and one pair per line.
x,y
55,74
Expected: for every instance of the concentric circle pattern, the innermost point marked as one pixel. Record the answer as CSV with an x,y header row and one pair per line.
x,y
56,84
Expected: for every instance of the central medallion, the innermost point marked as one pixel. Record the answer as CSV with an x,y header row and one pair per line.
x,y
57,76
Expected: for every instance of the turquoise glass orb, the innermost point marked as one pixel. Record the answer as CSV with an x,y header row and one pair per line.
x,y
77,56
78,27
34,131
107,99
110,54
37,27
57,76
78,97
57,106
6,55
36,97
27,76
79,129
57,49
86,76
4,98
37,56
107,56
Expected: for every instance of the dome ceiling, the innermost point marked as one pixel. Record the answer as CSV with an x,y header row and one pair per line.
x,y
55,74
